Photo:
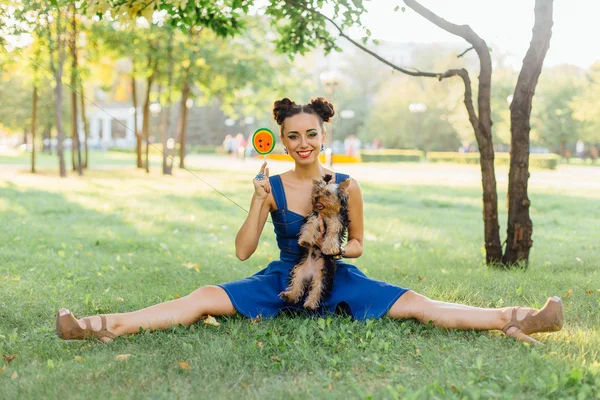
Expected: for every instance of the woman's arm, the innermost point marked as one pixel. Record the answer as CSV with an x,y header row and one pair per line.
x,y
246,240
354,247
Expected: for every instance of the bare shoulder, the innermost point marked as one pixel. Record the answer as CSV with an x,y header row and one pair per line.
x,y
354,191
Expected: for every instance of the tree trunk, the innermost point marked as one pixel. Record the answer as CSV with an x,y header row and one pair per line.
x,y
33,122
166,128
146,116
75,146
138,138
183,110
520,227
57,70
86,129
481,122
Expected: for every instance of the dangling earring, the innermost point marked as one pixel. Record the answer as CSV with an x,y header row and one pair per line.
x,y
322,147
285,150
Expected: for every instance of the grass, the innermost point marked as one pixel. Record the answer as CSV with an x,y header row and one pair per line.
x,y
120,240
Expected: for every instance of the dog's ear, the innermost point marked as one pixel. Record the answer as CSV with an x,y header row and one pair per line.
x,y
344,185
317,182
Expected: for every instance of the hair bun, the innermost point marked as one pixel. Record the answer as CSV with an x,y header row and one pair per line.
x,y
281,109
323,108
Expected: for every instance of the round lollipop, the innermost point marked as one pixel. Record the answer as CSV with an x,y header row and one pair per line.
x,y
263,141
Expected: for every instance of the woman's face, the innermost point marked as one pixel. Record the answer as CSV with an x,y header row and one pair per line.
x,y
303,136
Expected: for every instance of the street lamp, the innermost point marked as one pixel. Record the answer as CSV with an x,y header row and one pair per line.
x,y
330,80
417,108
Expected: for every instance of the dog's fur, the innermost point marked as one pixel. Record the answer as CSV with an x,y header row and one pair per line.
x,y
328,224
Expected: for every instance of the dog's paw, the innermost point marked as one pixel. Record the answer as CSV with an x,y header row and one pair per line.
x,y
304,243
311,304
330,248
288,298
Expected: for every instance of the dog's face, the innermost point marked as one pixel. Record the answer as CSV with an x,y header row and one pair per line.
x,y
327,198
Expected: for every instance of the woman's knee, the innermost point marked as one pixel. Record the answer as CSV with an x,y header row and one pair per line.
x,y
212,300
410,305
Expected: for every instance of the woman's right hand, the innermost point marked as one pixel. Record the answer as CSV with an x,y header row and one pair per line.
x,y
262,187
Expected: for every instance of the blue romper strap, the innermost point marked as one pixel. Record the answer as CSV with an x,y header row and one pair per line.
x,y
278,193
340,177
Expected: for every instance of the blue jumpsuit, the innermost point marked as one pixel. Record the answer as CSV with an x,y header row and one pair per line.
x,y
353,292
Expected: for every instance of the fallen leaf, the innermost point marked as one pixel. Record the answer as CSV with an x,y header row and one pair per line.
x,y
119,299
9,358
275,358
14,375
184,365
421,278
79,358
16,278
3,368
416,351
89,254
123,357
568,293
99,273
590,291
5,277
79,245
257,319
176,296
260,344
210,320
579,260
395,267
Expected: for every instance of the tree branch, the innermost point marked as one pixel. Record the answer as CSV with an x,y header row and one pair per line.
x,y
437,75
465,52
464,31
463,73
485,61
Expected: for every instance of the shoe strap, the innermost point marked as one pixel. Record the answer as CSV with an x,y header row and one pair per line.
x,y
513,319
105,331
514,322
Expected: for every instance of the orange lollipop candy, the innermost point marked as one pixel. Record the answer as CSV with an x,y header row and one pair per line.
x,y
263,141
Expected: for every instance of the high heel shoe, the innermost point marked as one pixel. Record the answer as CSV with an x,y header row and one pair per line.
x,y
549,318
68,328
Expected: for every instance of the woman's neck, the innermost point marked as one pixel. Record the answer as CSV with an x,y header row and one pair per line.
x,y
308,172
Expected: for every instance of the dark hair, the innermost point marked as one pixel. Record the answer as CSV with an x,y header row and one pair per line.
x,y
286,108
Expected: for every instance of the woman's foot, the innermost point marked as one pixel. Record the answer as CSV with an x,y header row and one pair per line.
x,y
70,328
525,321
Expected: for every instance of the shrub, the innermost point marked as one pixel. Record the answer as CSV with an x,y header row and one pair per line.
x,y
543,161
391,155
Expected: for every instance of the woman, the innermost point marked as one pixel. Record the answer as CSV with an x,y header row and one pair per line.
x,y
287,198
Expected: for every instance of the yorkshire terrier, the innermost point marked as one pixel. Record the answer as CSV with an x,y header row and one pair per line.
x,y
320,239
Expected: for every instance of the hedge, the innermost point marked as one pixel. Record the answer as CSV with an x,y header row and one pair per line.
x,y
391,155
544,161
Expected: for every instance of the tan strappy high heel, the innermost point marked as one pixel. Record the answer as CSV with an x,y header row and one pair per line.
x,y
68,328
549,318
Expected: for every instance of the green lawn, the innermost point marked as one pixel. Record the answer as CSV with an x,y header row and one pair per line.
x,y
120,240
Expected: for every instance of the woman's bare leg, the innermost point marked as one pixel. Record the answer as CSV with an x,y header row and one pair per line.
x,y
206,300
449,315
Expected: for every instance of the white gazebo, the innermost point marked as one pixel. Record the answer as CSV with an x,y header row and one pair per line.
x,y
112,126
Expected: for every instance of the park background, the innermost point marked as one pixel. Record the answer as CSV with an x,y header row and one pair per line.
x,y
128,227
